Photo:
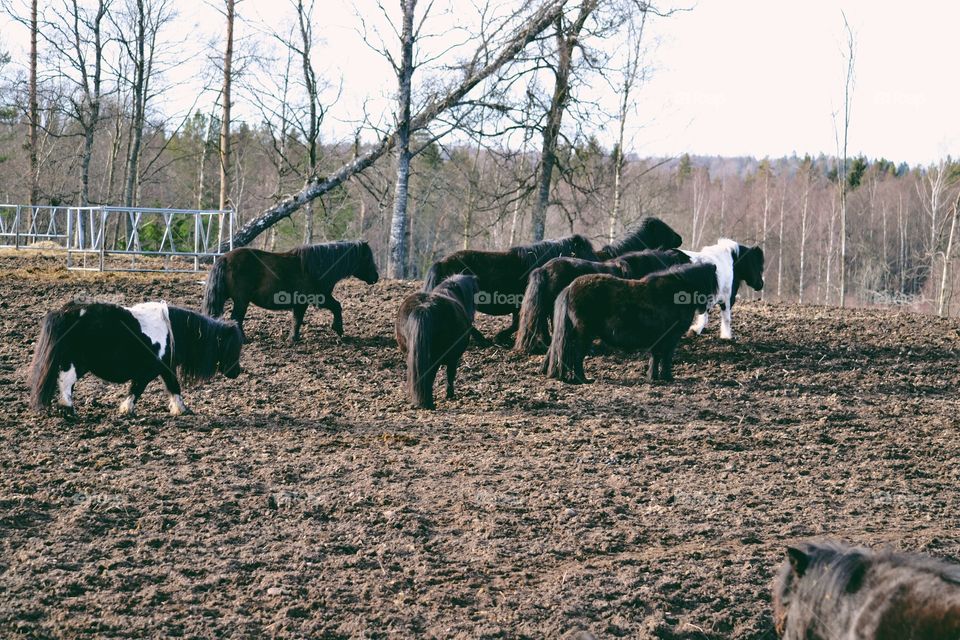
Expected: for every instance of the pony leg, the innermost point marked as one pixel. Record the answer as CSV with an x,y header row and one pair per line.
x,y
652,368
699,323
298,312
65,382
451,375
479,338
127,407
726,323
177,407
506,334
238,313
666,366
337,310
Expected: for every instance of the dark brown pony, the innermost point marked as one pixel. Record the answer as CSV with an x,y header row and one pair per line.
x,y
651,233
502,275
292,280
433,329
546,283
651,314
832,591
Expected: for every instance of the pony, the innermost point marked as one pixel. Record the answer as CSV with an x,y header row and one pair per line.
x,y
651,233
832,591
651,314
502,275
135,344
546,283
735,263
291,280
433,329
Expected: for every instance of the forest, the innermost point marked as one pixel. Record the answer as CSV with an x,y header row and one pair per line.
x,y
490,141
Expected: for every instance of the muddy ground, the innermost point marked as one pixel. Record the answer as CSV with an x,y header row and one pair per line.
x,y
305,499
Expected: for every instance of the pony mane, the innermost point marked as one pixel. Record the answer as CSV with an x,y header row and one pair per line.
x,y
639,238
198,342
331,261
537,254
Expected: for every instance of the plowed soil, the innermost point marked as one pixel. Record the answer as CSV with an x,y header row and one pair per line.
x,y
307,499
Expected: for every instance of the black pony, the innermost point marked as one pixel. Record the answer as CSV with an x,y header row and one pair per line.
x,y
832,591
292,280
651,314
502,275
136,344
651,233
433,329
546,283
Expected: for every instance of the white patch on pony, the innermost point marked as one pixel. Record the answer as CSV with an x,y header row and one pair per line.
x,y
65,382
82,311
722,256
126,407
154,319
177,408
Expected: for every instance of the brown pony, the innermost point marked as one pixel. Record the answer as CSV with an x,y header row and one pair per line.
x,y
546,283
502,275
832,591
651,314
433,329
292,280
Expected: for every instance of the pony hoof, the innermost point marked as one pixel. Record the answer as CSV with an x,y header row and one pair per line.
x,y
66,412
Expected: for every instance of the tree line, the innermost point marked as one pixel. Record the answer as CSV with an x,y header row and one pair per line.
x,y
490,140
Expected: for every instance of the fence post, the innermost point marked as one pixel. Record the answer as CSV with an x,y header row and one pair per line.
x,y
103,236
16,227
196,241
69,233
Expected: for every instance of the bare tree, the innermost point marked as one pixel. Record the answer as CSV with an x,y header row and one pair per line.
x,y
34,115
225,102
486,61
850,56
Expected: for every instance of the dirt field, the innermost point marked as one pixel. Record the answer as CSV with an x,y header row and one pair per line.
x,y
305,499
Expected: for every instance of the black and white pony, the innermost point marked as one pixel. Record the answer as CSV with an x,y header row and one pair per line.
x,y
135,344
735,263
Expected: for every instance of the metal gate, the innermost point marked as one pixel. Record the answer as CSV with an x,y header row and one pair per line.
x,y
120,238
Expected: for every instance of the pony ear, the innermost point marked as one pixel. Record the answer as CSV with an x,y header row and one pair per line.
x,y
799,560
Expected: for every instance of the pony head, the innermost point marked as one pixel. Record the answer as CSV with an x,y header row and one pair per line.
x,y
659,235
580,247
366,267
748,266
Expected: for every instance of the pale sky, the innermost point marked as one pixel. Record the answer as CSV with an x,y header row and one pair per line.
x,y
730,77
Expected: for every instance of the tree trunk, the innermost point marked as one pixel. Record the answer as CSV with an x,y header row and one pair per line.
x,y
138,98
783,196
399,225
225,121
803,237
946,258
34,111
566,42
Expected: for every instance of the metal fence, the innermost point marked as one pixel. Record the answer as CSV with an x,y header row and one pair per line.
x,y
120,238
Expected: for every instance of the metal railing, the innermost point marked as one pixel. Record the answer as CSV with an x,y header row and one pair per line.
x,y
120,238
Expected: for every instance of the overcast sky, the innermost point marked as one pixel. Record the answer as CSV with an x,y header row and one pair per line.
x,y
730,77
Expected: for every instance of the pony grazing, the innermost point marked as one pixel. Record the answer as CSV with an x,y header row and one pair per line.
x,y
735,263
502,275
433,329
651,314
292,280
135,344
546,283
651,233
831,591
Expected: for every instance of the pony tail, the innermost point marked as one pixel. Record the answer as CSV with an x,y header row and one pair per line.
x,y
420,370
560,362
434,277
216,293
533,334
47,357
